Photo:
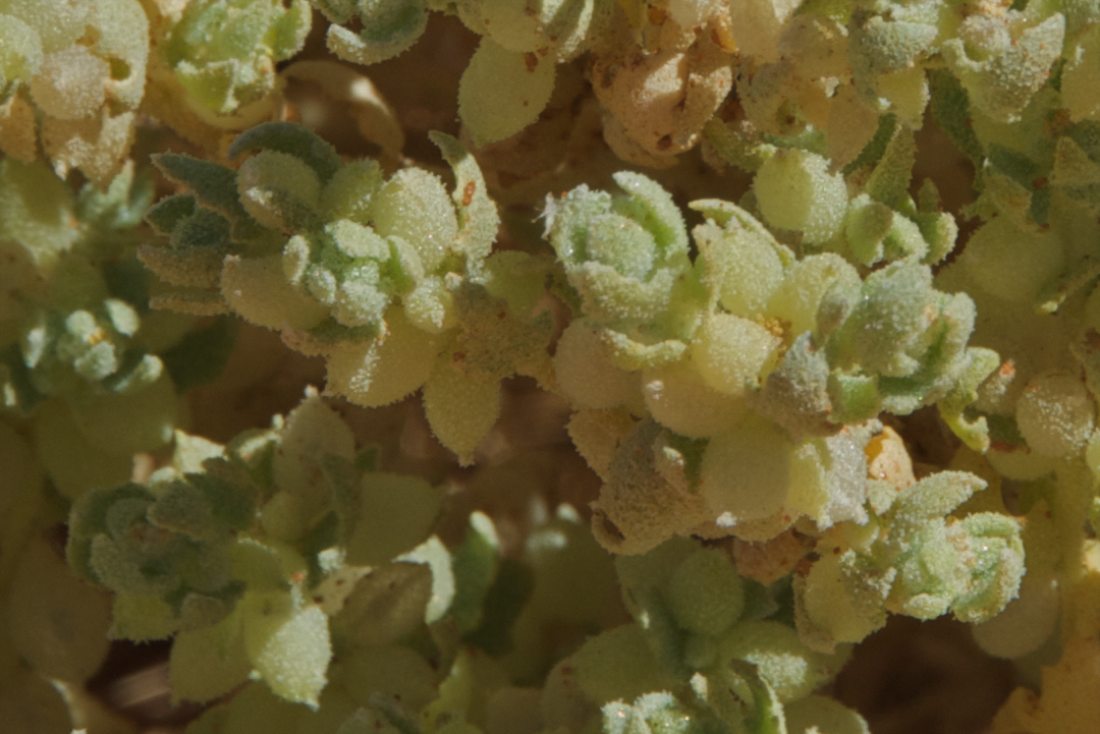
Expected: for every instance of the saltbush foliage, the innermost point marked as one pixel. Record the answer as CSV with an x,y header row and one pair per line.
x,y
705,239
